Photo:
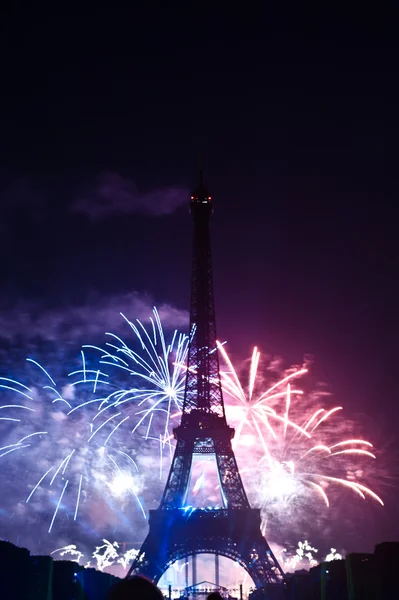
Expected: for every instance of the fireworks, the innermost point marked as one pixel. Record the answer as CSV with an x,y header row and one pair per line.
x,y
78,442
333,555
259,412
83,449
300,456
114,557
64,449
104,555
158,372
302,558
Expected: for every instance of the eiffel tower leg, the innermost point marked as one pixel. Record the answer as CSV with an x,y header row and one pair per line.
x,y
155,555
177,485
230,479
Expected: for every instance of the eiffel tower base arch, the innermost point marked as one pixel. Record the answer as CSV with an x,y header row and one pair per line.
x,y
175,534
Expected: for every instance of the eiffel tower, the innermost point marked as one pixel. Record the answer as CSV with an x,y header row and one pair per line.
x,y
175,530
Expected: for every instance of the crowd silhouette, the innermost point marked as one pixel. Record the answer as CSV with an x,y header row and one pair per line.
x,y
135,588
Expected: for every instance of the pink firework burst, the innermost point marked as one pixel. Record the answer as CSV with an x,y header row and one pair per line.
x,y
291,450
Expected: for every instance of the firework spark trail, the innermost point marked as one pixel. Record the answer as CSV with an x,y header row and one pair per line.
x,y
295,460
58,505
78,498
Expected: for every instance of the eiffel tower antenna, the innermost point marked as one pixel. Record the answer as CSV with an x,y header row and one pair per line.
x,y
234,529
201,170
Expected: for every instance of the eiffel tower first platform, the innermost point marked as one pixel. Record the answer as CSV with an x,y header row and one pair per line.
x,y
233,531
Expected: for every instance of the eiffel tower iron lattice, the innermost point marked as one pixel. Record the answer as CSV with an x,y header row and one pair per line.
x,y
175,530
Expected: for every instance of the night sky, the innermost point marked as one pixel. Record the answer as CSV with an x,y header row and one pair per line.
x,y
104,116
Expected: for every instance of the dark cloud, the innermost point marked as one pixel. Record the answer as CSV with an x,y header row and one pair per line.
x,y
30,320
112,194
109,194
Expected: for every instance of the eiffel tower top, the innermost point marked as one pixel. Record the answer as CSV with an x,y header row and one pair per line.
x,y
200,195
203,391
